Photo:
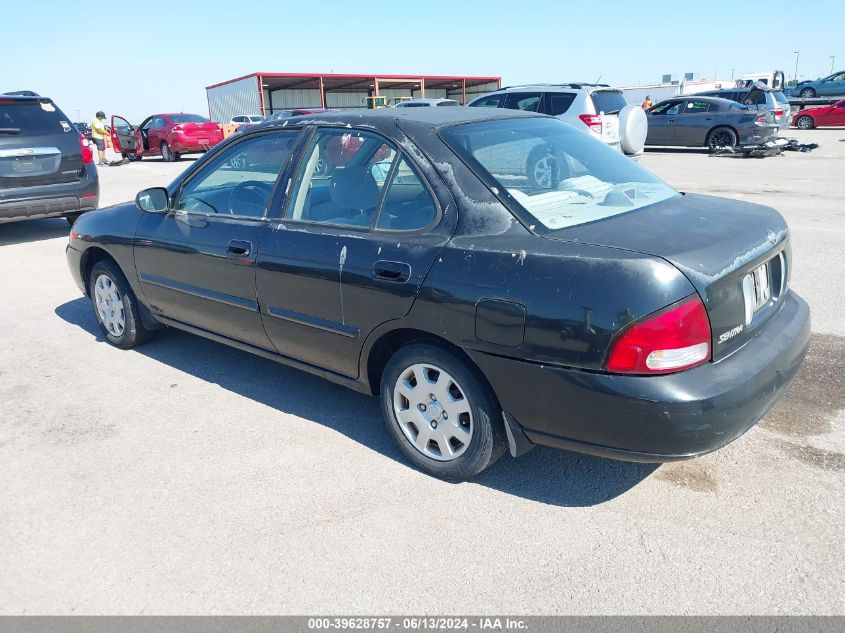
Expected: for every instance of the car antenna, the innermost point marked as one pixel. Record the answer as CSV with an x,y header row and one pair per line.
x,y
598,80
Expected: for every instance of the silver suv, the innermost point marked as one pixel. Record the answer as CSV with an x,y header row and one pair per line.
x,y
594,108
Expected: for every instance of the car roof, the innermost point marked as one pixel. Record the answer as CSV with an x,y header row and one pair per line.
x,y
435,117
561,87
23,98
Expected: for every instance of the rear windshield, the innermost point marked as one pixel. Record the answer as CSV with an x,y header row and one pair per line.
x,y
559,176
30,117
187,118
608,101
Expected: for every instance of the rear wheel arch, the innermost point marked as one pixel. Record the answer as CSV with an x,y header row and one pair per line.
x,y
720,126
387,344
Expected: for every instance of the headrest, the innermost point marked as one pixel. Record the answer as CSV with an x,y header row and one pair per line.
x,y
354,188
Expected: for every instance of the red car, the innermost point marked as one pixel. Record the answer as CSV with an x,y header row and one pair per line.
x,y
817,117
167,135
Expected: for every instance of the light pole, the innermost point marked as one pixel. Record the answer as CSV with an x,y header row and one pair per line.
x,y
732,74
797,55
832,59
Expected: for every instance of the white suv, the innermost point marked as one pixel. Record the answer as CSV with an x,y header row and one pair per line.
x,y
594,108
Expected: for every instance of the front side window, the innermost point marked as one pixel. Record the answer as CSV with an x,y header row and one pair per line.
x,y
239,181
554,173
667,108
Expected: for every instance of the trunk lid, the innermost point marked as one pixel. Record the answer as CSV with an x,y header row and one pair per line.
x,y
205,130
38,144
736,254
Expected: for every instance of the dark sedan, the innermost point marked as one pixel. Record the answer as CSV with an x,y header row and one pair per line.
x,y
694,121
595,309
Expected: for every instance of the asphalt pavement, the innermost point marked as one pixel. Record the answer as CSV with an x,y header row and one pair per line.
x,y
185,477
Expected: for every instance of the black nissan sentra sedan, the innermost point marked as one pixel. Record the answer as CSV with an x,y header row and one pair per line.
x,y
499,279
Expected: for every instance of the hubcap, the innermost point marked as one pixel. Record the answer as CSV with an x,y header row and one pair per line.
x,y
543,172
804,122
433,412
109,305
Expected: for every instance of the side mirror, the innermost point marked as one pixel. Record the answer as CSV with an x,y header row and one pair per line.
x,y
153,200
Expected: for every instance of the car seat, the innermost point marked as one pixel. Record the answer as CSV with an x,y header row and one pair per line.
x,y
354,196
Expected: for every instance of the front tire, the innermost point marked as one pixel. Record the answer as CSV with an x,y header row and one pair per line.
x,y
721,137
440,412
808,93
115,306
804,122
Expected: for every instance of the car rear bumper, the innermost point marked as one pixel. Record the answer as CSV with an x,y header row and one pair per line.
x,y
189,145
47,201
654,418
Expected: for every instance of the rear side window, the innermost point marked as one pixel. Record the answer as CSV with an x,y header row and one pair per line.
x,y
781,98
558,102
528,101
448,102
30,117
608,101
407,204
696,107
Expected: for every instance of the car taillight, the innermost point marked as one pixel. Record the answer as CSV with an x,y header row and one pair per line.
x,y
592,121
761,119
778,112
87,152
671,340
177,128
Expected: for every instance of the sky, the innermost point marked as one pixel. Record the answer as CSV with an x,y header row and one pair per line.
x,y
139,58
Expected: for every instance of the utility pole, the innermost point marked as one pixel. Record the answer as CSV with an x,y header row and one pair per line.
x,y
732,74
832,59
797,55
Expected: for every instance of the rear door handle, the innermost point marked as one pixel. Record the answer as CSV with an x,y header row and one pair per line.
x,y
392,271
241,248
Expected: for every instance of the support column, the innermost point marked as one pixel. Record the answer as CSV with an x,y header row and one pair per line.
x,y
422,88
322,93
463,91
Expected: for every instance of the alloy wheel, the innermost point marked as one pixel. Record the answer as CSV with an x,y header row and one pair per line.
x,y
804,123
109,305
433,412
544,172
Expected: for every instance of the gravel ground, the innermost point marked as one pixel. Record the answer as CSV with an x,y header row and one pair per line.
x,y
186,477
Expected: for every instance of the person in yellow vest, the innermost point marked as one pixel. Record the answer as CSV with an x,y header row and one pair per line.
x,y
648,102
98,135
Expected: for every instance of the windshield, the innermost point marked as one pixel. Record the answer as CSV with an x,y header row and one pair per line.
x,y
29,117
187,118
608,101
558,175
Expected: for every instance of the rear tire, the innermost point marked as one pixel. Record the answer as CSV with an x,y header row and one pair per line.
x,y
804,122
808,93
441,413
721,137
132,156
167,153
115,306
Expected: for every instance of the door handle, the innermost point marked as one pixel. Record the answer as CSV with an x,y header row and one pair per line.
x,y
241,248
392,271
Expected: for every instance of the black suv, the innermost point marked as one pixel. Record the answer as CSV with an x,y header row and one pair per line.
x,y
46,166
